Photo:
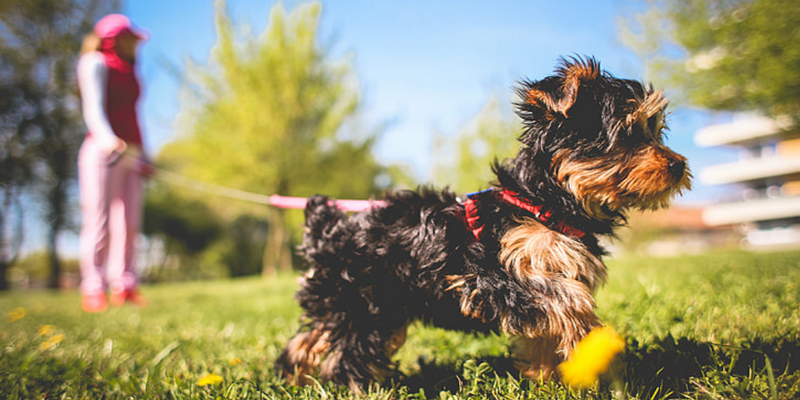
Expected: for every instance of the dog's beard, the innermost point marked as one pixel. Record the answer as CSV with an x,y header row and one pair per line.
x,y
618,181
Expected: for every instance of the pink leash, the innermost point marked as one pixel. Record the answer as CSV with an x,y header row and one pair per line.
x,y
345,205
274,200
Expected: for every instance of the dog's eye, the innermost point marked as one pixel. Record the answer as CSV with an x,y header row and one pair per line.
x,y
638,129
629,137
652,124
655,127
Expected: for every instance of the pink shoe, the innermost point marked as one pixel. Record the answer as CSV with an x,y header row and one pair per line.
x,y
94,303
130,295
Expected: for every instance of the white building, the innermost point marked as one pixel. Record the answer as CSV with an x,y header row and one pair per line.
x,y
767,175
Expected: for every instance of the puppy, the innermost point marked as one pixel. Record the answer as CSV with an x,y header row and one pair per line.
x,y
521,258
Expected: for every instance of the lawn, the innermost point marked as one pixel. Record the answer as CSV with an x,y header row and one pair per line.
x,y
716,326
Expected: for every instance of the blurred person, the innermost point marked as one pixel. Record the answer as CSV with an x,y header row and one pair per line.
x,y
111,164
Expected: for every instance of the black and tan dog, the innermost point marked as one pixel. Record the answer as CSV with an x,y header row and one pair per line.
x,y
522,258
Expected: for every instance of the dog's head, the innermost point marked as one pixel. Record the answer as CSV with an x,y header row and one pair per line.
x,y
602,138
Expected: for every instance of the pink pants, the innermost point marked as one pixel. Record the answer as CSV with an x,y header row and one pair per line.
x,y
111,202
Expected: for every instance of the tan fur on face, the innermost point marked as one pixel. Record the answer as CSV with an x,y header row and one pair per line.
x,y
532,249
647,115
618,181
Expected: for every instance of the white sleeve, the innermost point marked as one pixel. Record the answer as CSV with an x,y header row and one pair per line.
x,y
92,78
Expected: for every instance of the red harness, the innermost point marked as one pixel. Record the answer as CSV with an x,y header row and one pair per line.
x,y
510,197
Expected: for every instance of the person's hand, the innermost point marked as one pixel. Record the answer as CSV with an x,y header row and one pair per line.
x,y
116,151
119,147
145,167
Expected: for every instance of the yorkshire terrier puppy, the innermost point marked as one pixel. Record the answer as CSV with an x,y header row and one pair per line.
x,y
521,258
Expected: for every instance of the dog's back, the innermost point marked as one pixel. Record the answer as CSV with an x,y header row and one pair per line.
x,y
370,274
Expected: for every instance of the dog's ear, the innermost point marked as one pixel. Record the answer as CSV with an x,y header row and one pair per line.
x,y
555,96
544,101
575,72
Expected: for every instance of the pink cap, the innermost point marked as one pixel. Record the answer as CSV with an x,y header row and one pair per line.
x,y
113,25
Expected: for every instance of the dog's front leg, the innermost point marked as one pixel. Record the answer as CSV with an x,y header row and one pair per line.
x,y
560,313
536,358
547,313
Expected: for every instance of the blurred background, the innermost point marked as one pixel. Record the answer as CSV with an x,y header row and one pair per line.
x,y
352,98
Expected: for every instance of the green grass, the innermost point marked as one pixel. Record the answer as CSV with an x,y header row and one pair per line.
x,y
715,326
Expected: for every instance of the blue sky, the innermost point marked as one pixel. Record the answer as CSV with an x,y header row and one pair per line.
x,y
424,67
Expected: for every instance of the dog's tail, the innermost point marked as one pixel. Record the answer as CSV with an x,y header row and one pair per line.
x,y
325,229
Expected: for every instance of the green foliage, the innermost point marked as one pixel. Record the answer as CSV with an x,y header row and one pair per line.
x,y
724,54
716,297
697,327
269,111
186,224
182,233
266,105
247,240
464,162
702,323
40,125
33,270
266,115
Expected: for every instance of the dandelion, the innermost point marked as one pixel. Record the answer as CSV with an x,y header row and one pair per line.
x,y
46,330
56,339
235,361
16,314
51,343
210,379
591,357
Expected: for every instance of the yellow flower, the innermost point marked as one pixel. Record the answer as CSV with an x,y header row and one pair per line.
x,y
51,343
591,357
210,379
235,361
16,314
46,330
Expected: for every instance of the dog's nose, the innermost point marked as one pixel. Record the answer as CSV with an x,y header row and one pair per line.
x,y
677,168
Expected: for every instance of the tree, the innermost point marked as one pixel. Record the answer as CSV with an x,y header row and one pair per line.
x,y
40,121
15,173
464,162
724,54
265,116
12,231
184,226
248,238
